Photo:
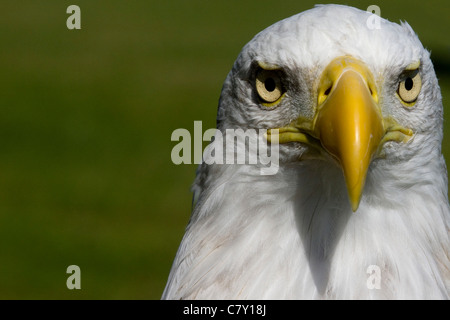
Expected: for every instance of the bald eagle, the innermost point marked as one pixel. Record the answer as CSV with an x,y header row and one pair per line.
x,y
358,208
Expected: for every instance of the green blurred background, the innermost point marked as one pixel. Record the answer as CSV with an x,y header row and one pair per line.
x,y
86,118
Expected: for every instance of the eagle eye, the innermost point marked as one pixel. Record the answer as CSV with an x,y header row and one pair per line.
x,y
409,87
268,85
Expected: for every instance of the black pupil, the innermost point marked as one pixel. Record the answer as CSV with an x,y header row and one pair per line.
x,y
270,84
409,84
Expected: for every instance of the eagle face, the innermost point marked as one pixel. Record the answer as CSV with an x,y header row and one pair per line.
x,y
337,91
362,182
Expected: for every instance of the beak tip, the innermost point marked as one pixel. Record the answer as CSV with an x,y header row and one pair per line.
x,y
355,195
355,206
355,198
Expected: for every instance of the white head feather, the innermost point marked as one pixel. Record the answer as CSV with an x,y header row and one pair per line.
x,y
293,234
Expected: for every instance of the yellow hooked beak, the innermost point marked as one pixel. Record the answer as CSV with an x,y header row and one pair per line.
x,y
348,122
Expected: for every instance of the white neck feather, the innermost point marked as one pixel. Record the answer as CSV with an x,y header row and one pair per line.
x,y
280,237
